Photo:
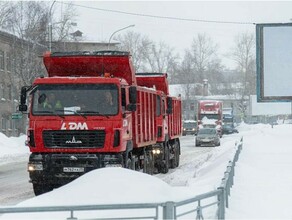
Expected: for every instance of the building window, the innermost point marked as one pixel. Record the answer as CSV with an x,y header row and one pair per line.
x,y
9,95
4,125
8,62
4,93
1,91
2,60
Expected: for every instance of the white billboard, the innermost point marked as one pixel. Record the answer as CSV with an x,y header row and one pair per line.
x,y
274,62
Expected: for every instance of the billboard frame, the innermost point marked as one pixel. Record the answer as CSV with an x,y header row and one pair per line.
x,y
261,96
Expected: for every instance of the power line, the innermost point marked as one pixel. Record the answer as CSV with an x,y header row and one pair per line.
x,y
161,17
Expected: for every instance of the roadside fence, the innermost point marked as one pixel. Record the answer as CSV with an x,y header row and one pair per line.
x,y
169,210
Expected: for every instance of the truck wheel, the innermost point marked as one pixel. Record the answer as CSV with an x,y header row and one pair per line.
x,y
150,164
129,164
40,188
175,160
177,155
165,166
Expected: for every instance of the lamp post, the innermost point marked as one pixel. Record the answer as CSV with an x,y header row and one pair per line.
x,y
50,27
205,87
116,32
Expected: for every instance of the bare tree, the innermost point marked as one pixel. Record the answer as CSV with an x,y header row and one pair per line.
x,y
244,55
63,27
206,64
186,75
28,21
5,14
138,45
161,58
147,56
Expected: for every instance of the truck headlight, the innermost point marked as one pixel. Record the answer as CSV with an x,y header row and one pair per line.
x,y
156,151
34,167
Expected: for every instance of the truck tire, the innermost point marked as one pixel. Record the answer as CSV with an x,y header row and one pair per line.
x,y
129,164
165,166
150,164
174,162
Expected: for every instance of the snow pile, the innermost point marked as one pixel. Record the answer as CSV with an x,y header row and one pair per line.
x,y
105,186
207,121
13,149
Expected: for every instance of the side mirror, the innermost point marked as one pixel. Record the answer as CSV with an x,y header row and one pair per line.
x,y
133,99
23,107
169,105
132,107
133,94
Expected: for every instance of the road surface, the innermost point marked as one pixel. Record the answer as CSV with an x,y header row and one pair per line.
x,y
14,185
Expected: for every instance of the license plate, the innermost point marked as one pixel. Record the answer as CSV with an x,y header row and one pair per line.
x,y
73,169
206,140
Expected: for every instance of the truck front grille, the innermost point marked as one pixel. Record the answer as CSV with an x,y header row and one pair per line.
x,y
74,139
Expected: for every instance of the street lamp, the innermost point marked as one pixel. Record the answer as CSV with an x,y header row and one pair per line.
x,y
205,87
50,27
116,32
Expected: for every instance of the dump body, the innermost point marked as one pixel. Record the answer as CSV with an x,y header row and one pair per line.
x,y
158,81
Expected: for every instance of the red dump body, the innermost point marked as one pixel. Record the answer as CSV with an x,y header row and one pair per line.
x,y
90,65
175,119
157,81
168,125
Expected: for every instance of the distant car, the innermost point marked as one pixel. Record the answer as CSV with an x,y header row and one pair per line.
x,y
189,127
208,137
229,129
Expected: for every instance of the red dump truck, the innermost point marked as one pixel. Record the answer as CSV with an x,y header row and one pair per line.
x,y
210,114
168,121
138,127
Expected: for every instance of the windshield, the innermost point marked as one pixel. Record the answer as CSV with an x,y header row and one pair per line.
x,y
88,99
207,131
209,116
190,125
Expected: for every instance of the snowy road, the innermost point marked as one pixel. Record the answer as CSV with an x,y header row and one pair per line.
x,y
14,185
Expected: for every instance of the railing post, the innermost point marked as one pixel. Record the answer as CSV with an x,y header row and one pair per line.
x,y
221,203
199,211
72,216
168,210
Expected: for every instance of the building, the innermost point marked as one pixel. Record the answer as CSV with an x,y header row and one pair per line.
x,y
9,85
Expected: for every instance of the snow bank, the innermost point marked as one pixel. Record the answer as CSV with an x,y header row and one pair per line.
x,y
13,149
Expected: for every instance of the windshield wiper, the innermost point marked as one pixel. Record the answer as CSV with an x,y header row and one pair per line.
x,y
51,112
95,112
75,112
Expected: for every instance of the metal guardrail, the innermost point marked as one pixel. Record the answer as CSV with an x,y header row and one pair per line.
x,y
167,210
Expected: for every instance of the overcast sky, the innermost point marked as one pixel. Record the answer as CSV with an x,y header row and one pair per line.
x,y
98,24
